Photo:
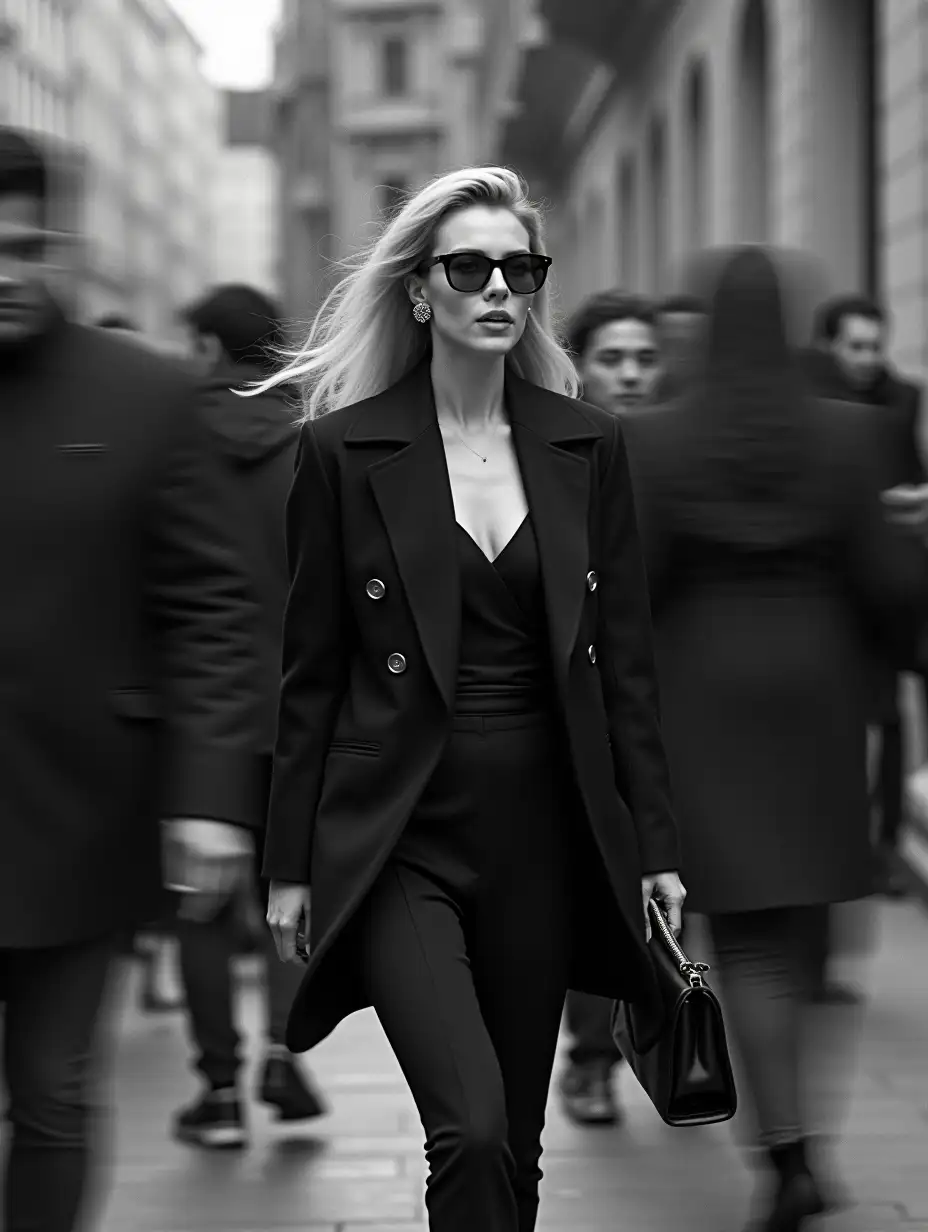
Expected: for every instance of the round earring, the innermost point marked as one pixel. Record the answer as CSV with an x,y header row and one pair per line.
x,y
422,312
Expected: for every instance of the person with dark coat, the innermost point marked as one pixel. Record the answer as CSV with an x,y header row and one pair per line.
x,y
127,679
769,559
848,361
470,808
233,328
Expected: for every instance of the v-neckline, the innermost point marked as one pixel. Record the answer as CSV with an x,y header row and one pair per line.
x,y
499,555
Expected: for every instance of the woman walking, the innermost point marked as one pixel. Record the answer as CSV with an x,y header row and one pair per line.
x,y
769,562
469,779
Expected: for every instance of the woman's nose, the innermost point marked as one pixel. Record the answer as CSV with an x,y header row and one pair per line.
x,y
497,284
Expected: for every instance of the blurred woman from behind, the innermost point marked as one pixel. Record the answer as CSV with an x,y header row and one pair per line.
x,y
769,561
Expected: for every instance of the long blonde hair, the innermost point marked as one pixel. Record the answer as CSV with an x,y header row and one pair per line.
x,y
364,338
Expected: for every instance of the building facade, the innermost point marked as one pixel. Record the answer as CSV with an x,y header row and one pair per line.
x,y
374,98
247,211
117,86
657,127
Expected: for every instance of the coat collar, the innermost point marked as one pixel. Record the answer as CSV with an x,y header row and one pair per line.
x,y
410,485
405,410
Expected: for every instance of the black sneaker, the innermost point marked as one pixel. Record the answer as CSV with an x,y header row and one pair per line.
x,y
286,1089
587,1095
214,1121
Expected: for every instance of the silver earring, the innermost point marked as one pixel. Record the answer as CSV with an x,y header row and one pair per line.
x,y
422,312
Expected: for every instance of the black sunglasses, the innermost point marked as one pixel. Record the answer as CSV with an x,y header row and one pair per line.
x,y
524,273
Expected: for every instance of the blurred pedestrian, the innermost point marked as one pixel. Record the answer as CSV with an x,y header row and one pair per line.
x,y
613,339
233,330
126,661
468,779
768,556
848,360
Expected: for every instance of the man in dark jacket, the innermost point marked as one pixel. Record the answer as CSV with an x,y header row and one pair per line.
x,y
126,685
848,362
233,329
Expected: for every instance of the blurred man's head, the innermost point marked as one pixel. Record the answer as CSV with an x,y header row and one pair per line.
x,y
24,240
233,324
853,329
613,337
681,321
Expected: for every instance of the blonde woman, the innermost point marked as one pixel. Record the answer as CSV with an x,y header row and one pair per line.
x,y
470,796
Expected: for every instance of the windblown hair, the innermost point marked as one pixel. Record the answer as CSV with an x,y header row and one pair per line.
x,y
748,470
364,338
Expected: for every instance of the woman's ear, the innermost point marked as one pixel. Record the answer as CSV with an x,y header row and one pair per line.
x,y
415,289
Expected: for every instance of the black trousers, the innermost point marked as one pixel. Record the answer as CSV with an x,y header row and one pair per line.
x,y
465,942
589,1021
769,962
53,999
207,951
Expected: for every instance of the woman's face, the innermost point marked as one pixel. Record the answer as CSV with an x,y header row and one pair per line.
x,y
490,321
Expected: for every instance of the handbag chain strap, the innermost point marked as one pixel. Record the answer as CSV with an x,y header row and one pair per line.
x,y
694,971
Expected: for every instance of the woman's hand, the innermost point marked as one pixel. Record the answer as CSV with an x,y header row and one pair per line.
x,y
288,915
667,889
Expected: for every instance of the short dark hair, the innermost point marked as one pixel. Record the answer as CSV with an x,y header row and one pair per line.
x,y
602,309
692,305
116,320
246,321
829,317
23,169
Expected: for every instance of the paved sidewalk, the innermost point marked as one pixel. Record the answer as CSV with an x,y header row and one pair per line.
x,y
361,1170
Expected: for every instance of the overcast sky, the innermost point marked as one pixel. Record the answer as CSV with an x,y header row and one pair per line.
x,y
236,35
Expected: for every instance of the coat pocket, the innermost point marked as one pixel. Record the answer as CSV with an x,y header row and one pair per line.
x,y
357,748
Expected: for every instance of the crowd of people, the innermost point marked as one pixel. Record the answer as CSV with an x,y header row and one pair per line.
x,y
450,643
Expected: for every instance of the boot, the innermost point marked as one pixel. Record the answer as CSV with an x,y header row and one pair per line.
x,y
797,1197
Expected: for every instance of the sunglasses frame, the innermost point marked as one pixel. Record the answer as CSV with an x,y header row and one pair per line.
x,y
446,259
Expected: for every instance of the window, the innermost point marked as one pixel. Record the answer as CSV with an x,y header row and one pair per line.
x,y
395,67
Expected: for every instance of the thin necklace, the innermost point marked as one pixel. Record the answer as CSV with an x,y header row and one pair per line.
x,y
466,446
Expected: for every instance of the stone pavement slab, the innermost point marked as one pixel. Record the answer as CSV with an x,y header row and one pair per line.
x,y
360,1169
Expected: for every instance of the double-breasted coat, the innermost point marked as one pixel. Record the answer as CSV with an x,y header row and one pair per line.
x,y
370,661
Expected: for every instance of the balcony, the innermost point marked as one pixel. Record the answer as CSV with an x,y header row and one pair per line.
x,y
371,116
556,86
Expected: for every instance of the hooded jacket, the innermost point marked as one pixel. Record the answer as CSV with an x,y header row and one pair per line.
x,y
258,438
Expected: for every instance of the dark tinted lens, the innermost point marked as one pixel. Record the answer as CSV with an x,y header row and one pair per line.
x,y
524,274
468,271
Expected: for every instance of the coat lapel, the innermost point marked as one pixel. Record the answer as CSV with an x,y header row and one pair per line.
x,y
412,492
411,488
557,484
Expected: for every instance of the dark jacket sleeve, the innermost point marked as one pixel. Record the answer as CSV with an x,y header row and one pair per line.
x,y
910,400
628,670
315,664
203,616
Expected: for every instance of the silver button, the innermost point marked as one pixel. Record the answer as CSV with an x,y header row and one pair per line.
x,y
592,580
375,589
592,653
396,664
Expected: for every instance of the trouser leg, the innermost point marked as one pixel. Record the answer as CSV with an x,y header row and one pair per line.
x,y
419,981
54,1004
206,953
589,1021
767,974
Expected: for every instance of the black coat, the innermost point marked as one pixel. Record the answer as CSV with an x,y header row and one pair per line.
x,y
258,437
763,662
126,648
357,744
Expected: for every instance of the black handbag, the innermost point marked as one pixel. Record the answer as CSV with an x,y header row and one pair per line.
x,y
676,1048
